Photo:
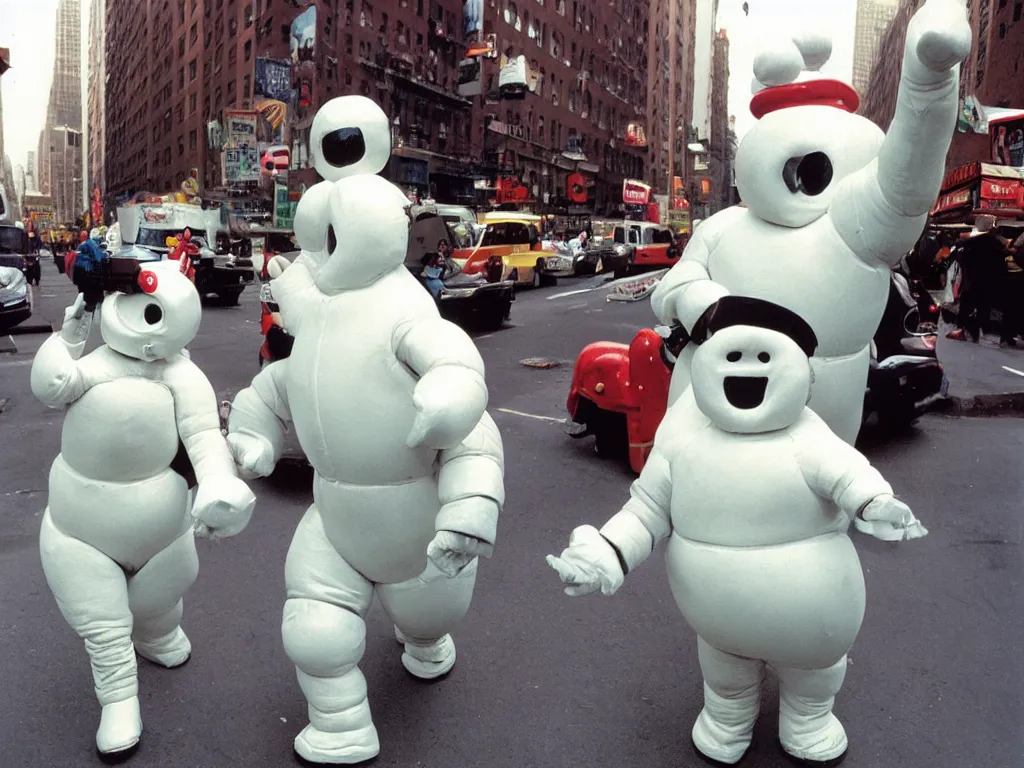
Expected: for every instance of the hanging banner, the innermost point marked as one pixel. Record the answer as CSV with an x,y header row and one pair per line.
x,y
472,18
635,192
302,48
97,204
272,116
240,128
635,135
242,165
273,80
1007,138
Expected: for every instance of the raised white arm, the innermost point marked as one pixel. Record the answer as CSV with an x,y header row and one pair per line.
x,y
258,418
879,211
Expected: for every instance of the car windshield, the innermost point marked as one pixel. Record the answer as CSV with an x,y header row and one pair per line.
x,y
13,240
157,238
657,236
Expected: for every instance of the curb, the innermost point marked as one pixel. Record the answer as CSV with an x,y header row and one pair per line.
x,y
20,330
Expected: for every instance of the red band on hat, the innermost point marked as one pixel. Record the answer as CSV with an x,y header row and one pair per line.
x,y
147,281
822,93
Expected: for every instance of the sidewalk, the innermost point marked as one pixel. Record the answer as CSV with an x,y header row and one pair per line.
x,y
984,380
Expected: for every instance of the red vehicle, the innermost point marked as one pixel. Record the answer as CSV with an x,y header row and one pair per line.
x,y
619,393
652,246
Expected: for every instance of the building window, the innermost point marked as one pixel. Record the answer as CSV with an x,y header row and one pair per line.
x,y
232,55
231,92
181,48
192,104
181,77
193,35
233,27
192,70
248,49
247,87
1018,9
1002,30
247,16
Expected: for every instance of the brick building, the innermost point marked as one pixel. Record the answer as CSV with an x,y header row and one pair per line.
x,y
873,19
661,72
95,119
993,74
587,83
718,194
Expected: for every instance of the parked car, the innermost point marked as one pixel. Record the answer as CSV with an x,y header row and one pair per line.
x,y
604,256
646,246
515,238
619,392
15,306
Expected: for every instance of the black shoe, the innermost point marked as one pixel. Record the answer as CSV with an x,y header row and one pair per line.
x,y
719,763
805,763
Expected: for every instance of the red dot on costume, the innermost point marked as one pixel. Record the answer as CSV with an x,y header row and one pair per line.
x,y
148,282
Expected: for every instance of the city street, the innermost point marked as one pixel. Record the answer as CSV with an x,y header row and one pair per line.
x,y
542,680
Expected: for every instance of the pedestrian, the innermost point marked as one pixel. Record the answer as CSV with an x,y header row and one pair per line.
x,y
982,259
1013,294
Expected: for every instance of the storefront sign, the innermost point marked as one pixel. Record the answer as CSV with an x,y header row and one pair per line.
x,y
1001,194
512,131
679,201
635,192
951,200
510,190
960,176
577,188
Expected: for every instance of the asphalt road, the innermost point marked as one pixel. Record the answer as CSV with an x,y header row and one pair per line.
x,y
543,680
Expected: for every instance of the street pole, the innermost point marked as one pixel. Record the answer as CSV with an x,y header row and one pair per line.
x,y
671,97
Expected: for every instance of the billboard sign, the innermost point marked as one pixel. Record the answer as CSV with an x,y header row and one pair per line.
x,y
273,80
635,192
1007,137
242,164
240,127
302,47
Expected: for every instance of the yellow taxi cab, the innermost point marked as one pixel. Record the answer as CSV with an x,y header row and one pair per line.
x,y
512,240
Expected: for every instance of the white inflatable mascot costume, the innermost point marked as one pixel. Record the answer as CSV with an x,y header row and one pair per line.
x,y
387,400
832,203
117,539
755,500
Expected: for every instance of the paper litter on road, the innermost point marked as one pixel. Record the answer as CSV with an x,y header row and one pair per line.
x,y
635,289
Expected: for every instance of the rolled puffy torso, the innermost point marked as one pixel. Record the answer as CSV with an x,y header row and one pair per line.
x,y
759,564
112,486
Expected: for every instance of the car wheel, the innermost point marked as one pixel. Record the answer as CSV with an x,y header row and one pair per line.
x,y
548,281
537,280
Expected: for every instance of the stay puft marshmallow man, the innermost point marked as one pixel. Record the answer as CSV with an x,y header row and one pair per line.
x,y
387,400
117,539
755,499
832,203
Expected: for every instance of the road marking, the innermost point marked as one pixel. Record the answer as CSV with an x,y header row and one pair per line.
x,y
529,415
571,293
13,363
1013,370
485,336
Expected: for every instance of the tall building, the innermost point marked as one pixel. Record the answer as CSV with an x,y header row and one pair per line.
x,y
31,173
715,194
5,63
95,89
873,19
993,74
670,94
60,145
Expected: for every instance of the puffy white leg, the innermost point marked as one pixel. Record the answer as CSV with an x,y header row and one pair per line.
x,y
92,594
425,610
154,594
732,702
807,728
325,637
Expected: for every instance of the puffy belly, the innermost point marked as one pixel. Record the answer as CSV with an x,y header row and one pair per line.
x,y
129,522
381,531
352,409
795,605
121,431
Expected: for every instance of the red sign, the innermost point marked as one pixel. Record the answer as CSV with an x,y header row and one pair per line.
x,y
577,188
635,192
1000,190
653,213
509,190
952,200
960,176
635,135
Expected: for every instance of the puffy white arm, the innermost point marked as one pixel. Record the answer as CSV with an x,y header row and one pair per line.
x,y
471,485
879,211
56,376
833,469
646,518
687,290
451,393
294,288
196,411
261,409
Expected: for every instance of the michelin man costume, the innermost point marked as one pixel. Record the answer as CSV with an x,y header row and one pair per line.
x,y
117,539
388,403
832,203
755,500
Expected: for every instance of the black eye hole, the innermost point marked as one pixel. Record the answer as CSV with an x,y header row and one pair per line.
x,y
810,174
343,147
153,314
764,357
332,239
734,357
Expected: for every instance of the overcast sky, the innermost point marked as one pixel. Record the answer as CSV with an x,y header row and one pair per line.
x,y
27,28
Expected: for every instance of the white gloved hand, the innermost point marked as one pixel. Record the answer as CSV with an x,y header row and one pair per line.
x,y
445,412
589,563
254,455
450,552
277,265
222,507
940,35
77,322
887,518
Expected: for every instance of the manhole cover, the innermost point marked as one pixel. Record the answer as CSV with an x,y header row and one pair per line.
x,y
540,362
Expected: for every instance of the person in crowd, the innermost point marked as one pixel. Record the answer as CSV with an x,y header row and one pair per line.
x,y
982,259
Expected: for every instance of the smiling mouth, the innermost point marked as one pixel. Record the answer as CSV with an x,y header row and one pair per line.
x,y
810,174
745,392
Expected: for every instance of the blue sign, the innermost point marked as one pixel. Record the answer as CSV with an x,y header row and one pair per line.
x,y
273,79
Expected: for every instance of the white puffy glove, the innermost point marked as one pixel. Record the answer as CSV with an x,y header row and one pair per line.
x,y
77,322
254,455
276,266
589,563
222,507
940,35
887,518
451,552
445,411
